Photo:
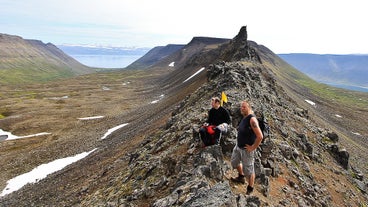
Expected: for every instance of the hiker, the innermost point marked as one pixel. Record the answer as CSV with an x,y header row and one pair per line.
x,y
249,138
217,123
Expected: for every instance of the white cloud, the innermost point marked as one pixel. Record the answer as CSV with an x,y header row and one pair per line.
x,y
283,26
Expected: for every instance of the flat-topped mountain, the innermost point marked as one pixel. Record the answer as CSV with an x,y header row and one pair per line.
x,y
177,55
154,55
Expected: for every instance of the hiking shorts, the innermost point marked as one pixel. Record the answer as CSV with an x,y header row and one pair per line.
x,y
242,156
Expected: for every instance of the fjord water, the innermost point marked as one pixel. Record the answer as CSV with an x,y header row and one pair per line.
x,y
106,61
104,56
349,87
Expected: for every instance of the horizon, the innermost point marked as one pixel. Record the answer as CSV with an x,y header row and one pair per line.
x,y
149,48
318,27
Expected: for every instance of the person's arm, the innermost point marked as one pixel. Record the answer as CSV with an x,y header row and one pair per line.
x,y
228,119
210,117
257,131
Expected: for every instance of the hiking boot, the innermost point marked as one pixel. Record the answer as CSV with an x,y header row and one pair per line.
x,y
239,179
249,190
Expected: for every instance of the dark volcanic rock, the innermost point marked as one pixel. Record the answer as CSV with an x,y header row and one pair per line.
x,y
171,168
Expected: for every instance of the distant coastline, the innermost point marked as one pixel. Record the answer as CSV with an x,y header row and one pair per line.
x,y
343,71
106,61
102,56
122,61
344,86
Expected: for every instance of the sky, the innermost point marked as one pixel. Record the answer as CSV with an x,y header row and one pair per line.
x,y
284,26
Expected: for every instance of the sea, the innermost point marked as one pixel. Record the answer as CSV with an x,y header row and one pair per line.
x,y
121,61
106,61
349,87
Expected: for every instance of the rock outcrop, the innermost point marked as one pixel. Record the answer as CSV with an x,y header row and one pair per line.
x,y
172,169
298,164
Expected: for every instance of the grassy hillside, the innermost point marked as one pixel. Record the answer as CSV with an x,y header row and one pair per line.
x,y
341,69
28,61
19,71
293,77
339,110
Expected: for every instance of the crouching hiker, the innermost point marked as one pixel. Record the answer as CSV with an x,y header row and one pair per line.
x,y
217,123
248,139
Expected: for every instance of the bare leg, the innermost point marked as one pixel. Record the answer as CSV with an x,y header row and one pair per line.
x,y
250,179
240,169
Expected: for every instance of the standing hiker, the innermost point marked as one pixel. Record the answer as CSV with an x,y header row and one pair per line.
x,y
249,138
217,123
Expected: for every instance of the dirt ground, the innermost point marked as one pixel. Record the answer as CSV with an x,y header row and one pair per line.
x,y
120,97
56,107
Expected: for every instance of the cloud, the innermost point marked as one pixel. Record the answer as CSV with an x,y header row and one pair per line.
x,y
283,26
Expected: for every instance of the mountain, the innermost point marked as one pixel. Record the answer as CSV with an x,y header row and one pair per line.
x,y
336,69
161,56
311,157
25,61
154,55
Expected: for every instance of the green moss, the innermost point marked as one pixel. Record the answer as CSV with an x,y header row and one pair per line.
x,y
22,72
346,97
4,112
350,98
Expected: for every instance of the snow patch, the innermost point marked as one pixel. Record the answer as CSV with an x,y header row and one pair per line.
x,y
41,172
59,98
310,102
91,117
200,70
105,88
338,116
11,136
156,101
172,64
113,129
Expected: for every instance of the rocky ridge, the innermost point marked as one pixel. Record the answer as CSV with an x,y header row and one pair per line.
x,y
299,164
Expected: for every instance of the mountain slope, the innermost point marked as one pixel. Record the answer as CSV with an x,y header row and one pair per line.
x,y
154,55
24,61
341,110
158,161
340,69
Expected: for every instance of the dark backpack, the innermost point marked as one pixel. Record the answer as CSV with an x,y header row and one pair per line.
x,y
263,125
265,128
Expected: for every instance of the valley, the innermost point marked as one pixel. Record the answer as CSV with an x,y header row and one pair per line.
x,y
342,71
56,107
156,159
